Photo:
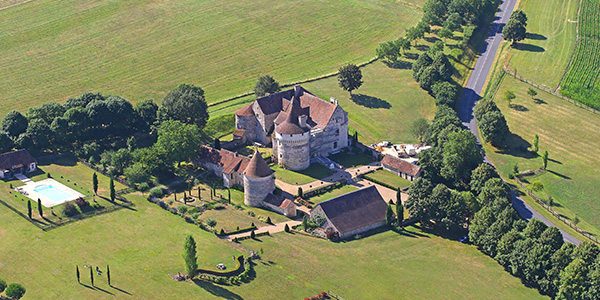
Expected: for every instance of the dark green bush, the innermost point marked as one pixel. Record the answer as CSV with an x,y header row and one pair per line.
x,y
157,192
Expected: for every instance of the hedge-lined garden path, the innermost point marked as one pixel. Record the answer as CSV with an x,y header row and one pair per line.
x,y
272,228
339,175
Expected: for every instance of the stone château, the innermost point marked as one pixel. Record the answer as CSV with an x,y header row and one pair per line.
x,y
298,125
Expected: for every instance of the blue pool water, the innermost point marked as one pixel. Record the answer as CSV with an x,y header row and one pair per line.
x,y
52,193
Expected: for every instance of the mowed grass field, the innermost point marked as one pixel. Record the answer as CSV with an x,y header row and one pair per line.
x,y
413,265
544,55
572,137
52,50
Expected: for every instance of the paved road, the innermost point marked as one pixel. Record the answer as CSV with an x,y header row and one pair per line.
x,y
472,94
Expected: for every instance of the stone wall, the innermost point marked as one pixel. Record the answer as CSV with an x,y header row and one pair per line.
x,y
257,189
247,123
361,230
293,151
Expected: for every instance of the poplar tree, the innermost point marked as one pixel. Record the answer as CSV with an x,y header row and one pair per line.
x,y
95,183
112,190
40,208
29,208
189,256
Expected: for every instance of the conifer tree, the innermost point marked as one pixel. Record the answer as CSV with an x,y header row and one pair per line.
x,y
40,208
29,208
189,255
95,183
111,187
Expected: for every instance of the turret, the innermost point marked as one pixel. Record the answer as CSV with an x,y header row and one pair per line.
x,y
258,181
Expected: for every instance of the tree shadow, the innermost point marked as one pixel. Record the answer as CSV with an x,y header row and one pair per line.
x,y
410,55
103,290
399,64
529,47
535,36
421,47
216,290
431,39
518,147
120,290
555,161
539,101
519,107
560,175
370,101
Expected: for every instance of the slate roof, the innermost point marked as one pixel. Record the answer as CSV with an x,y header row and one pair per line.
x,y
257,167
400,165
19,158
274,199
355,210
230,161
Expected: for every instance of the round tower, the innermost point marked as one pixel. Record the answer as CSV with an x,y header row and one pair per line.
x,y
245,119
258,181
293,139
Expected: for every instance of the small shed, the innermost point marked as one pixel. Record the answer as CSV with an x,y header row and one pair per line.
x,y
16,162
401,167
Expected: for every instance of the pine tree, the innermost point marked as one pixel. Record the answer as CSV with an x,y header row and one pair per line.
x,y
189,255
305,223
286,228
95,183
108,275
29,208
77,272
40,208
111,187
399,212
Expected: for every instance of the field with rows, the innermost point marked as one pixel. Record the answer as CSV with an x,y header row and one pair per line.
x,y
52,50
582,80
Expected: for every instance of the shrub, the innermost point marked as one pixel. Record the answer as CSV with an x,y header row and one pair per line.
x,y
144,186
195,215
211,222
286,228
170,202
70,210
15,291
82,203
2,285
157,192
269,220
182,209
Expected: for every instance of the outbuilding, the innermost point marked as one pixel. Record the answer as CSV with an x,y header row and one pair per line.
x,y
16,162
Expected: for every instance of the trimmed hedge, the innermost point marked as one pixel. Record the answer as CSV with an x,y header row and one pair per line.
x,y
248,237
253,227
234,272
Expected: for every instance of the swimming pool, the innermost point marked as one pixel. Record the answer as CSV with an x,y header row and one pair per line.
x,y
52,193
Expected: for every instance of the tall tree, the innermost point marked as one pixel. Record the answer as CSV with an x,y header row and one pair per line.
x,y
399,208
186,104
15,291
545,159
350,77
95,183
461,156
146,111
189,256
178,141
389,215
419,129
29,208
572,281
6,143
77,273
444,92
520,16
445,33
266,84
111,187
531,92
494,128
481,175
39,202
536,142
514,31
46,112
14,123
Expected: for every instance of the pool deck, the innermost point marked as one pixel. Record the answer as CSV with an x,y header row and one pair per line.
x,y
29,190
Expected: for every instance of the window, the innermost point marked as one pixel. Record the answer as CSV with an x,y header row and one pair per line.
x,y
334,145
337,131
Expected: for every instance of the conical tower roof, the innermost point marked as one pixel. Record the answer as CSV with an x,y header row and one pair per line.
x,y
290,125
257,167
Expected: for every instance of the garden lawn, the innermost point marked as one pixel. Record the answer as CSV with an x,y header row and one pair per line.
x,y
572,137
413,265
66,170
143,48
351,160
331,194
230,218
237,198
544,55
389,178
141,245
313,172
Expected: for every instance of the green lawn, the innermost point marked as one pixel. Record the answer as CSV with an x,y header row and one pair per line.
x,y
414,265
332,194
66,170
570,134
543,57
143,48
230,218
389,178
237,197
351,160
312,173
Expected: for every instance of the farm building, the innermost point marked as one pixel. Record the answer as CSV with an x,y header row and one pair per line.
x,y
16,162
298,124
401,167
353,213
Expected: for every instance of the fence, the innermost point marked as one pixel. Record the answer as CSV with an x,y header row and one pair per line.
x,y
547,90
557,215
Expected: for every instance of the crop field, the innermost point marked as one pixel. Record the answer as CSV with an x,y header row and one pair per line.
x,y
544,55
570,134
582,81
140,49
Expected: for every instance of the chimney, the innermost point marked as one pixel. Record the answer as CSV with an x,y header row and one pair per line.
x,y
333,101
302,120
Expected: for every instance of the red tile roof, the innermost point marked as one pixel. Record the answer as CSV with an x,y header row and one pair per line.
x,y
230,161
239,132
400,165
257,167
287,203
245,111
